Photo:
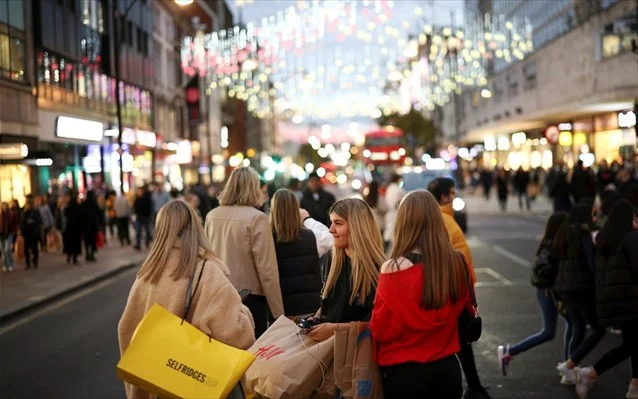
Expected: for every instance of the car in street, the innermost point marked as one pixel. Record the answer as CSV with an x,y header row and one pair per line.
x,y
418,178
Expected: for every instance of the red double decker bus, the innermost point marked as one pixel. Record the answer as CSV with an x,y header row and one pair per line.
x,y
384,146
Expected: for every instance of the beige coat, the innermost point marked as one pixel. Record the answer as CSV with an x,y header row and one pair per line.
x,y
242,238
216,308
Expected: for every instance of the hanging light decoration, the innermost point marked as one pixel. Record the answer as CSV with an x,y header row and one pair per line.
x,y
292,62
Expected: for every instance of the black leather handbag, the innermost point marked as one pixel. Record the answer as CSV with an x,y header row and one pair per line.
x,y
470,321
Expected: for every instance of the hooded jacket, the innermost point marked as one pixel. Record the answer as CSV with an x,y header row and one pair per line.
x,y
403,330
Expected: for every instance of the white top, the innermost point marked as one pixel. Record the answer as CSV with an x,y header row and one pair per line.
x,y
322,235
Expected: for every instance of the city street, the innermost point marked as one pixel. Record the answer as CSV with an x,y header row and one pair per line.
x,y
70,349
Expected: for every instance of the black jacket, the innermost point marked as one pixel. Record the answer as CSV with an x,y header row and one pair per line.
x,y
30,223
617,284
144,205
576,269
299,274
545,267
318,209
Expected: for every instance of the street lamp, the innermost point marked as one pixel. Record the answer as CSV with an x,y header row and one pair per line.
x,y
119,34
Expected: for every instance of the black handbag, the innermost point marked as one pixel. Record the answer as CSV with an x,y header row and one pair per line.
x,y
470,321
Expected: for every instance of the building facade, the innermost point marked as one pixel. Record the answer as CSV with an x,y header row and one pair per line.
x,y
571,99
18,105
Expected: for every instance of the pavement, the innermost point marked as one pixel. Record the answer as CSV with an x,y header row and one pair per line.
x,y
23,290
69,350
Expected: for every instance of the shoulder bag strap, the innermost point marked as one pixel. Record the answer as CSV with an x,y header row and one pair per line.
x,y
190,293
468,282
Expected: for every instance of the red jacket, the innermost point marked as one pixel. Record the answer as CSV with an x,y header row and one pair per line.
x,y
9,222
403,331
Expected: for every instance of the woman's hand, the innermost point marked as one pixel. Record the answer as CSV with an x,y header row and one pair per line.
x,y
322,331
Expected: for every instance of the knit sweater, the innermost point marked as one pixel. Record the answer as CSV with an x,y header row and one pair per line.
x,y
216,309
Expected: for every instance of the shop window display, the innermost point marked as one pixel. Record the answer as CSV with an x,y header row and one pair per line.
x,y
12,45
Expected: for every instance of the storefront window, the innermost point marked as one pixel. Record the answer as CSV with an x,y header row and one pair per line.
x,y
12,45
15,183
618,37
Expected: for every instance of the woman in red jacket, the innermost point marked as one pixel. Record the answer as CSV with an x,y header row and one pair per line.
x,y
420,296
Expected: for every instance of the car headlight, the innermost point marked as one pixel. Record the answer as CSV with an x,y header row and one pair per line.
x,y
458,204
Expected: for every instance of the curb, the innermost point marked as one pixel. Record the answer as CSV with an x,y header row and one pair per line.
x,y
13,315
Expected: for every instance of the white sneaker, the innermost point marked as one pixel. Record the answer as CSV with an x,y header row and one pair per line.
x,y
569,374
504,358
565,381
584,383
632,393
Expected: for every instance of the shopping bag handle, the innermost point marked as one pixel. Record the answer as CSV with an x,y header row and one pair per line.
x,y
190,293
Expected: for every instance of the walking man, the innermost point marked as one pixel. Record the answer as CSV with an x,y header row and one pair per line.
x,y
30,230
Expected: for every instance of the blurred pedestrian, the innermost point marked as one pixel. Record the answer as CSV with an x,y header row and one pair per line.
x,y
580,181
30,229
377,203
192,200
574,284
241,236
72,234
444,191
558,187
422,291
265,207
90,215
393,196
179,258
543,273
47,221
297,256
110,214
8,230
616,294
316,200
159,198
212,196
521,184
294,185
122,212
357,256
143,217
502,188
487,179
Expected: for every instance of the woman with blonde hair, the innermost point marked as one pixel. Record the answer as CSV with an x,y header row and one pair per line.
x,y
240,235
422,291
298,250
357,255
180,253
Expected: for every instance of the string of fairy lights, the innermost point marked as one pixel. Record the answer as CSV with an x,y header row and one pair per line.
x,y
292,63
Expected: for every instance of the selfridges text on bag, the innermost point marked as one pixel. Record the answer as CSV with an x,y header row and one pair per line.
x,y
288,364
356,373
173,359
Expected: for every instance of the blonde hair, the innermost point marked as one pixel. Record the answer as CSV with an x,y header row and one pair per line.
x,y
365,246
177,225
420,227
285,219
242,189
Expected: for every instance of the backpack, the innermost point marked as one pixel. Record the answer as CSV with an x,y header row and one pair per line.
x,y
545,268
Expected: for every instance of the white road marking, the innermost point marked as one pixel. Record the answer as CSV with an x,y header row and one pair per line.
x,y
501,280
57,305
511,256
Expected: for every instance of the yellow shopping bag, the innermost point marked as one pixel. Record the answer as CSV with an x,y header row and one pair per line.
x,y
173,359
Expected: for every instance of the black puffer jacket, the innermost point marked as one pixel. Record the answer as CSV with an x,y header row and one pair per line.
x,y
617,284
299,274
576,268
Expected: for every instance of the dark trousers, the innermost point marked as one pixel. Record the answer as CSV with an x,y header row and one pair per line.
x,y
582,311
522,195
31,249
90,245
619,354
145,223
440,379
466,357
123,230
258,306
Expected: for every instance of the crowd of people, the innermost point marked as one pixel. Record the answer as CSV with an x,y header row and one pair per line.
x,y
564,186
314,257
586,271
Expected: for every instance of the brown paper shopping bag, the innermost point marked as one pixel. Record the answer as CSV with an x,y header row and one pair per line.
x,y
356,373
288,364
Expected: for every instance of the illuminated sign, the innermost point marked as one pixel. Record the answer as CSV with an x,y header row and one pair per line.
x,y
565,139
79,129
551,134
13,151
147,139
626,119
184,152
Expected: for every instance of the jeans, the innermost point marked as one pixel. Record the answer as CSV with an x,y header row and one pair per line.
x,y
629,348
439,379
6,248
144,222
521,195
582,311
547,333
